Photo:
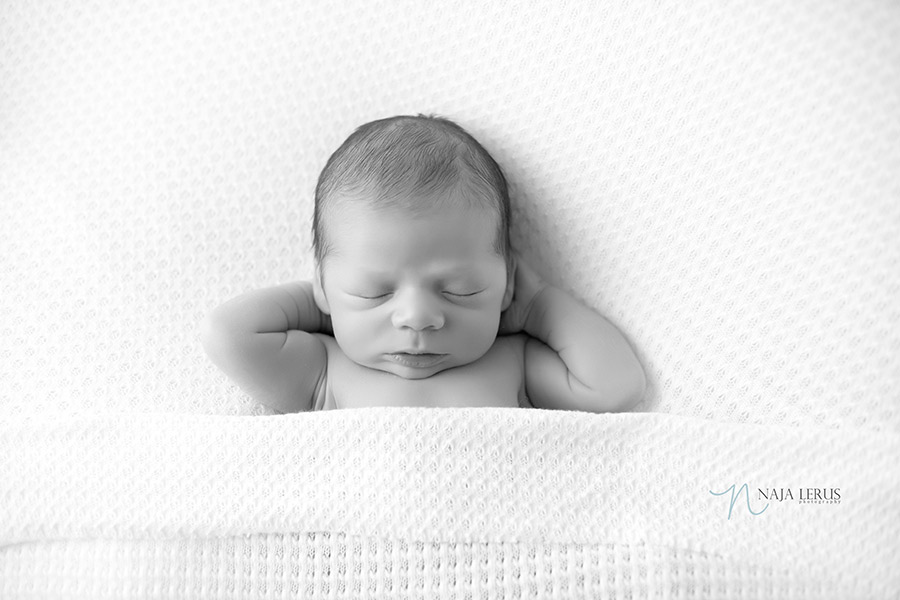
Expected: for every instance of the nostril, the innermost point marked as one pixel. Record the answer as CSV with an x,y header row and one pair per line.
x,y
419,322
417,311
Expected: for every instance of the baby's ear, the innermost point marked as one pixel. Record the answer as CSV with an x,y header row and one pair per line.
x,y
510,286
319,293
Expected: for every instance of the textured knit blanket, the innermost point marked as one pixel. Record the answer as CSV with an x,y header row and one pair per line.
x,y
572,503
721,180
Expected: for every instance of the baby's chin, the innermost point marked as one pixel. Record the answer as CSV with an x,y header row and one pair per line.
x,y
412,371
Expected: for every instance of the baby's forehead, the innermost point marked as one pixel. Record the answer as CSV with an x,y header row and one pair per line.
x,y
409,202
376,252
403,213
363,232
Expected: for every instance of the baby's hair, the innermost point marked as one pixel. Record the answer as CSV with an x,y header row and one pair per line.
x,y
386,162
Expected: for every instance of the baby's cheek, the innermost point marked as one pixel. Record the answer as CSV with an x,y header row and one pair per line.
x,y
349,330
482,331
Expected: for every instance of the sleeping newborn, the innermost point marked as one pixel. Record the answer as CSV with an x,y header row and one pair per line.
x,y
418,298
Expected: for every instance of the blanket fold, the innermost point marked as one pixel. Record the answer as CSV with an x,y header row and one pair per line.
x,y
479,475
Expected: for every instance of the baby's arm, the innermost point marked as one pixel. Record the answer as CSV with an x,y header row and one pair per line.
x,y
263,340
575,359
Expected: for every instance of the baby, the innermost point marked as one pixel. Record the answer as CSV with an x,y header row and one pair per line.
x,y
418,298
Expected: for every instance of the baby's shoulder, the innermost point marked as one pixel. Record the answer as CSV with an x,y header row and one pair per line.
x,y
515,340
327,340
324,395
512,344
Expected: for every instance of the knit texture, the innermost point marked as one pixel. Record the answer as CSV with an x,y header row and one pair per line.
x,y
721,180
508,502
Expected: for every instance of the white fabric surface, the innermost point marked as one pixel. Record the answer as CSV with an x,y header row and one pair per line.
x,y
720,179
564,483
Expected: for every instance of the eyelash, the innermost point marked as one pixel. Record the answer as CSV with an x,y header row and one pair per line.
x,y
448,293
461,295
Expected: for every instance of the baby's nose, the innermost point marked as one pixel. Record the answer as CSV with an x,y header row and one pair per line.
x,y
417,310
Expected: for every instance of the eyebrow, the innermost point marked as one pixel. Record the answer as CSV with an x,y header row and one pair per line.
x,y
452,271
457,275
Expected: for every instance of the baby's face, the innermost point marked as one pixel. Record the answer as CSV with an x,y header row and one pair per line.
x,y
410,294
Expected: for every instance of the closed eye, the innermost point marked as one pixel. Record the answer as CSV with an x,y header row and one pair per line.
x,y
373,297
463,295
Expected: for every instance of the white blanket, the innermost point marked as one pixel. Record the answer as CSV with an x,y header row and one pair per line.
x,y
719,179
595,502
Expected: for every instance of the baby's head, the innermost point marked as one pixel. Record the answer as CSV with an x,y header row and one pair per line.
x,y
411,237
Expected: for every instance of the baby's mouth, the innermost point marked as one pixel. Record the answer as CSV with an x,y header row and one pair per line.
x,y
419,360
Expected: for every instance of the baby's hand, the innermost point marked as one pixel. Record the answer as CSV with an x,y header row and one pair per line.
x,y
528,284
